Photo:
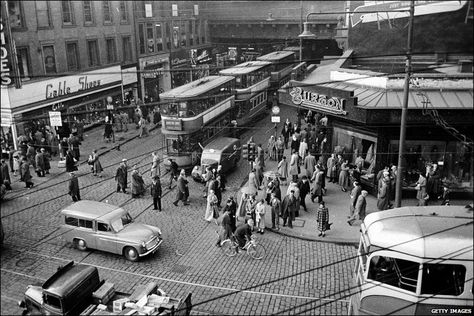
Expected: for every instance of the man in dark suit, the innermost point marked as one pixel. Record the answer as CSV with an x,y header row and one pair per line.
x,y
156,193
74,188
304,187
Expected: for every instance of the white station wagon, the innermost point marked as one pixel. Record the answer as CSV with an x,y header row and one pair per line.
x,y
102,226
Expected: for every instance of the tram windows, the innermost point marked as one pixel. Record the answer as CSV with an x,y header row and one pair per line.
x,y
443,279
395,272
170,109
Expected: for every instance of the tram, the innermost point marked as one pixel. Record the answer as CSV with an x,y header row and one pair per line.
x,y
415,261
282,66
252,80
193,115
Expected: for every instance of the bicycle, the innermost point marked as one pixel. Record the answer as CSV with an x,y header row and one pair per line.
x,y
230,248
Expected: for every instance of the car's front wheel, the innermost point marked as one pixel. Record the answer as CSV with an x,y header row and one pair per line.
x,y
130,253
80,244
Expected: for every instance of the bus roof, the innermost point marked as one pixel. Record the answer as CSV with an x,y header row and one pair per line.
x,y
196,87
276,56
426,232
220,143
245,68
92,210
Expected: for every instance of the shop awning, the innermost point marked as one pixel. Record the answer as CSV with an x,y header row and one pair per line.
x,y
380,99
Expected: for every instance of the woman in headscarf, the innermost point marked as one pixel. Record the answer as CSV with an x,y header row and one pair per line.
x,y
138,185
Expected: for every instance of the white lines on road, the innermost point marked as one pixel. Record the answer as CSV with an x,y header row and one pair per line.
x,y
200,285
23,275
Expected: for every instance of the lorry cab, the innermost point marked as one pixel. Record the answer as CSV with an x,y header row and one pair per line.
x,y
67,292
223,151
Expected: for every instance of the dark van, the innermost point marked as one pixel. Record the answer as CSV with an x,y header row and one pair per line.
x,y
67,292
223,151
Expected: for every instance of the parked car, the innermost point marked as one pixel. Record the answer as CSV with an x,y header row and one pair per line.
x,y
223,151
102,226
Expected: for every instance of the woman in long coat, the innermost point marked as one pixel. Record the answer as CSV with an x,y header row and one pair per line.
x,y
138,185
155,165
96,166
271,147
322,219
383,196
294,166
303,149
25,174
70,161
211,203
317,180
260,216
253,181
241,208
344,176
421,188
331,168
283,169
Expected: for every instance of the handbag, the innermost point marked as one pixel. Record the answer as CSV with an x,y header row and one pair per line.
x,y
418,187
328,226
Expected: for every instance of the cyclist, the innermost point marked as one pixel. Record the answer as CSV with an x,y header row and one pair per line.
x,y
243,233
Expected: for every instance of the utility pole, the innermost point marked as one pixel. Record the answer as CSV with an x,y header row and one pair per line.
x,y
403,120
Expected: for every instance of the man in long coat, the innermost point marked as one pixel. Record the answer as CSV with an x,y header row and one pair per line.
x,y
309,164
138,185
253,181
181,184
39,162
156,193
304,187
74,187
276,211
261,155
5,175
25,175
294,166
359,209
317,180
289,209
121,176
355,192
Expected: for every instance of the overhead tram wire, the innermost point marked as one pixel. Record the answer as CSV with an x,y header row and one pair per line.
x,y
327,265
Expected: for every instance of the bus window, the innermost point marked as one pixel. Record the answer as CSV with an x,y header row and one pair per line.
x,y
395,272
444,279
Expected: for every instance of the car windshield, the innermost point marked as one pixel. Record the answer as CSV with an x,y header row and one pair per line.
x,y
119,223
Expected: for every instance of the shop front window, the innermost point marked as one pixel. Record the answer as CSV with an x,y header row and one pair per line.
x,y
454,161
359,149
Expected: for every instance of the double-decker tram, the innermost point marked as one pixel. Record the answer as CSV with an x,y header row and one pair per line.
x,y
281,68
252,80
415,261
194,114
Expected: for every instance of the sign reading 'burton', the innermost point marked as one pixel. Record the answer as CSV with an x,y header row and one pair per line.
x,y
318,101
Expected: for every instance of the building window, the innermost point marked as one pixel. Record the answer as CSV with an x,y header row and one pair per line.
x,y
43,15
93,52
148,10
174,10
196,9
107,12
126,48
168,35
49,59
159,37
150,38
23,63
123,11
68,16
111,50
141,38
88,15
15,14
184,31
193,31
72,56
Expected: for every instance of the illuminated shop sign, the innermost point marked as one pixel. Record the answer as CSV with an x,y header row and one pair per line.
x,y
318,101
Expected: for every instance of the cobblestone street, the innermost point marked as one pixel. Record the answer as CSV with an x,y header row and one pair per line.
x,y
297,276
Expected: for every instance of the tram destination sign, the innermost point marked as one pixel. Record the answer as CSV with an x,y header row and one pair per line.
x,y
174,125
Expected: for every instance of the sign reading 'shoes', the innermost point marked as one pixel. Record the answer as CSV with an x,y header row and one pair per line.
x,y
317,101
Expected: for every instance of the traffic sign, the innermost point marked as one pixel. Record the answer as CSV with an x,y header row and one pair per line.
x,y
55,118
275,110
275,119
